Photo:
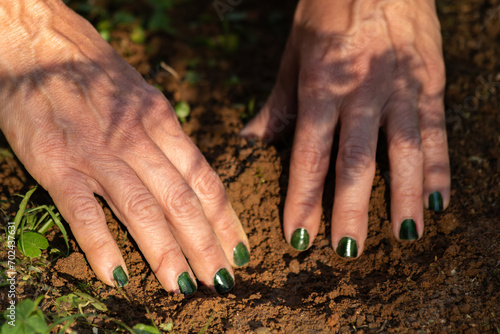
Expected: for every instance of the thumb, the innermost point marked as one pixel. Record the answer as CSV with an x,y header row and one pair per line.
x,y
277,118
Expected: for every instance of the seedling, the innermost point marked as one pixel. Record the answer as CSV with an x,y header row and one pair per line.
x,y
31,224
77,300
182,108
26,318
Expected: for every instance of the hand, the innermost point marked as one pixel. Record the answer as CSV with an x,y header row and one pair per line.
x,y
356,66
83,121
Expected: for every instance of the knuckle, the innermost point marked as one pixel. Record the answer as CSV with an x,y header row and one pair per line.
x,y
313,81
434,138
86,211
141,205
208,185
406,141
309,158
101,244
437,169
181,201
410,194
226,227
166,256
208,247
355,158
352,212
407,146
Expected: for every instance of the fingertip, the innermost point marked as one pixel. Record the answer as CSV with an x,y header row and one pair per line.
x,y
241,255
347,248
120,276
223,281
408,231
300,239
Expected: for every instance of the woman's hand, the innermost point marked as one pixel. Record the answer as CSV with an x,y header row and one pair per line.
x,y
355,66
83,121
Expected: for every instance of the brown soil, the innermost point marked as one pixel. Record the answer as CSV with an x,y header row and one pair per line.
x,y
446,282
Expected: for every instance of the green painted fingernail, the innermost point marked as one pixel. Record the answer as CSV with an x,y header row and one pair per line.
x,y
186,284
300,239
435,201
223,281
347,247
408,230
241,255
120,277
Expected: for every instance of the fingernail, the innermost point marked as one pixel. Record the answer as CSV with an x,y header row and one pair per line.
x,y
223,281
300,239
435,201
186,285
347,247
120,277
241,255
408,230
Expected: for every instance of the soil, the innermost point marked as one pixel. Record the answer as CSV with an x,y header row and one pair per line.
x,y
448,281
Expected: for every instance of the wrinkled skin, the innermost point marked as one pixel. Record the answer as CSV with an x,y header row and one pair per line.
x,y
350,67
82,121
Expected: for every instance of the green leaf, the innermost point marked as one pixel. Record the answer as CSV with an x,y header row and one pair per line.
x,y
22,208
192,77
138,35
29,319
145,329
123,17
36,323
33,243
93,301
167,327
24,308
182,111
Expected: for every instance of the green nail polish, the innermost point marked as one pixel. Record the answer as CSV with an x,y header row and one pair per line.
x,y
241,255
186,285
347,247
120,276
223,281
300,239
435,201
408,230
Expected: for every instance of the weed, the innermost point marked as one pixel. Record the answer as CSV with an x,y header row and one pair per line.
x,y
260,175
182,110
25,318
31,225
207,325
121,14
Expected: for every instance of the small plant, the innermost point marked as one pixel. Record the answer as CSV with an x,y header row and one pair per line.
x,y
31,225
182,108
122,14
77,300
25,318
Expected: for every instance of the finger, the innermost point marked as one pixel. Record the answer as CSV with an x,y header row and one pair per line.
x,y
437,181
309,160
184,215
75,200
210,191
143,216
406,165
355,170
276,119
437,178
